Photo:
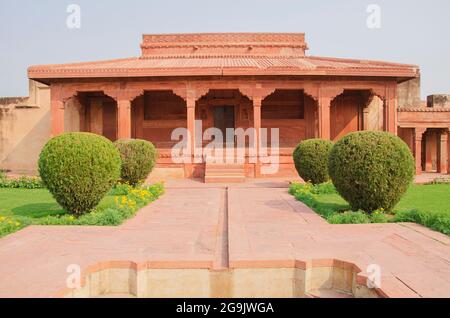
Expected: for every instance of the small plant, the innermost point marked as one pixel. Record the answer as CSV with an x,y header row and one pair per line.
x,y
311,160
138,159
441,180
79,169
310,195
436,221
23,182
349,217
10,224
371,170
2,176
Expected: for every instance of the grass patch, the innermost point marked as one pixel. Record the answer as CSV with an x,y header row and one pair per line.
x,y
428,205
22,207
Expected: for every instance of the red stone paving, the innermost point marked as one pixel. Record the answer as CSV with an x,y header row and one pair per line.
x,y
263,226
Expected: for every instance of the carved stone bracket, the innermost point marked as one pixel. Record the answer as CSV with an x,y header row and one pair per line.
x,y
257,92
381,92
418,132
189,92
330,92
312,91
61,93
124,94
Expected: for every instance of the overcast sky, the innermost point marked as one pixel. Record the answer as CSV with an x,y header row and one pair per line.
x,y
35,32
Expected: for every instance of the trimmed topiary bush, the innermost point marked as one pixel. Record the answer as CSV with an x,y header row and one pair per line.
x,y
371,170
138,159
311,160
79,169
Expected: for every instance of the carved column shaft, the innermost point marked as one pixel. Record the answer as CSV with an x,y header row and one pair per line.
x,y
124,98
57,103
190,105
257,103
442,164
123,119
418,136
326,94
324,117
57,117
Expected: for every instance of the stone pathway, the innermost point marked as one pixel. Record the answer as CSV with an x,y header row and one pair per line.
x,y
257,225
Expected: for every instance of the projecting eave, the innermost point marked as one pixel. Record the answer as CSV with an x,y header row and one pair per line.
x,y
173,66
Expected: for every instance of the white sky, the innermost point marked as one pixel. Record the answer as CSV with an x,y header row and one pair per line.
x,y
35,32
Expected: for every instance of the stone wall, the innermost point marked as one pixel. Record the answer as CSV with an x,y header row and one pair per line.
x,y
24,128
409,93
440,100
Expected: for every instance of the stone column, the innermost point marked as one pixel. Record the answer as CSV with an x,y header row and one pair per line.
x,y
57,116
124,98
123,118
442,164
324,117
257,103
418,135
390,110
448,150
190,105
365,120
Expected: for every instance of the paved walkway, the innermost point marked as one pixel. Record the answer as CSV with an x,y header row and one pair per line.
x,y
212,226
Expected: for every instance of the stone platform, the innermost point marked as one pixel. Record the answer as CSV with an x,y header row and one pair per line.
x,y
245,240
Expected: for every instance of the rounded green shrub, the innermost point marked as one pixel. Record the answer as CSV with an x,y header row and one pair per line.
x,y
79,169
311,160
138,159
371,170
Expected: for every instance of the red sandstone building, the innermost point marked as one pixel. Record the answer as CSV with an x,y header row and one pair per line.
x,y
243,80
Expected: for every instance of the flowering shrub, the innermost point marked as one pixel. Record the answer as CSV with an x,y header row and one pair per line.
x,y
9,224
126,204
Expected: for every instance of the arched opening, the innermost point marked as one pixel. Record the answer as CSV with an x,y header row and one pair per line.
x,y
349,113
97,114
155,115
431,149
292,112
222,109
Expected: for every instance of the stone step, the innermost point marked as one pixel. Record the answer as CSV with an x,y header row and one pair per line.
x,y
224,179
224,173
219,171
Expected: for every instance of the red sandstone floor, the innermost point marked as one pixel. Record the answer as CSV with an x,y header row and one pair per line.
x,y
212,226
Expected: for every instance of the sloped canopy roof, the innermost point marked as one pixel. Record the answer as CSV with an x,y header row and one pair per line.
x,y
224,54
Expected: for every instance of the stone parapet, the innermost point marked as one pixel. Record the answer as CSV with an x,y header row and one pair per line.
x,y
439,100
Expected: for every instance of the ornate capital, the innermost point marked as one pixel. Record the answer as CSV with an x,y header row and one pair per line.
x,y
330,92
62,93
419,131
189,92
312,91
257,91
124,94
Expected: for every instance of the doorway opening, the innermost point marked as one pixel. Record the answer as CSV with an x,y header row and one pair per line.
x,y
223,119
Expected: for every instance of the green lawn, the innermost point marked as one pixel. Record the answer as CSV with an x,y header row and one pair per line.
x,y
432,198
428,205
22,207
33,203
